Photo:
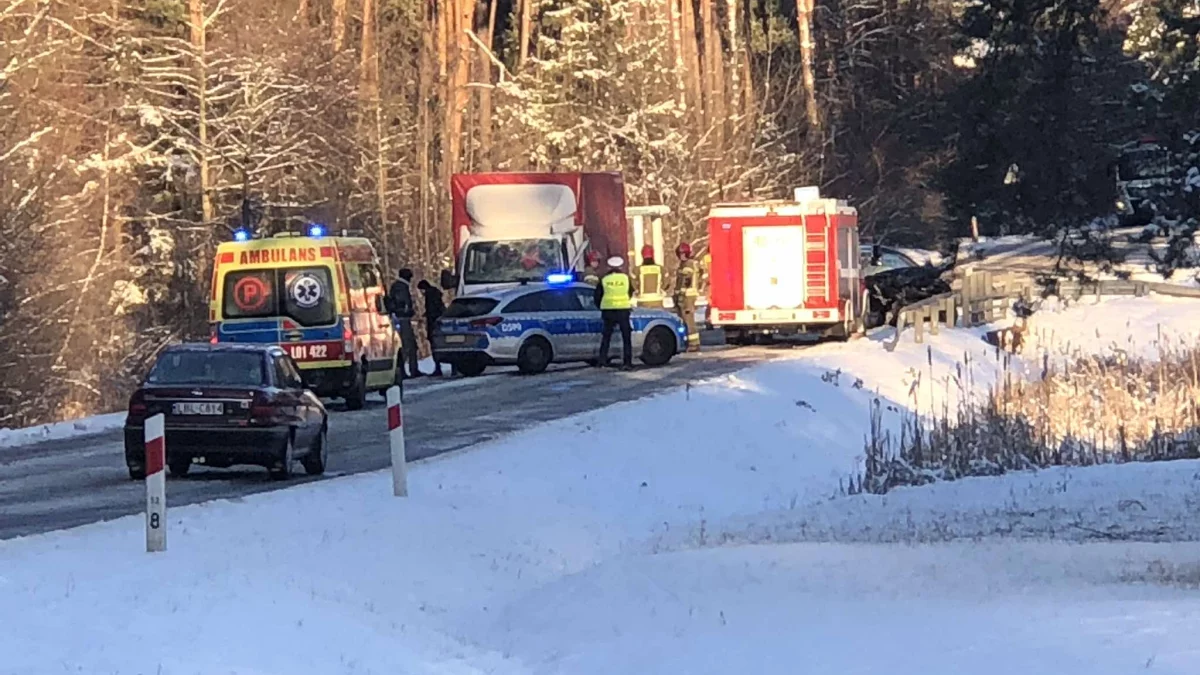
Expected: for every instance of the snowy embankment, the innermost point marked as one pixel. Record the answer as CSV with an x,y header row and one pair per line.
x,y
605,543
61,430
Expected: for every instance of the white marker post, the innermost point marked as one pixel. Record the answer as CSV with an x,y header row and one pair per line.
x,y
156,485
396,440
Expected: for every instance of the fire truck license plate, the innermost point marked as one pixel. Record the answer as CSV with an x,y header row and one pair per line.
x,y
319,351
775,315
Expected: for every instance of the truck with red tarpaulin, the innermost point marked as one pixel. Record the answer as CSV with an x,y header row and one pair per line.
x,y
513,228
786,268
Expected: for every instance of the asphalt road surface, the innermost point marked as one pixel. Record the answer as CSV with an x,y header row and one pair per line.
x,y
61,484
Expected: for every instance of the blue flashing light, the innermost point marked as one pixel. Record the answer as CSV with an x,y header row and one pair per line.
x,y
559,278
241,235
316,230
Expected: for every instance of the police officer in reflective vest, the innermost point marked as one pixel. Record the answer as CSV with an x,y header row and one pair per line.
x,y
614,296
687,290
649,280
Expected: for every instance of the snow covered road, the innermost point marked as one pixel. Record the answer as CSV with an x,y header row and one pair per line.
x,y
74,481
697,531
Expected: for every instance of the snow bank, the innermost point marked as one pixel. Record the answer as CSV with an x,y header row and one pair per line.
x,y
586,546
61,430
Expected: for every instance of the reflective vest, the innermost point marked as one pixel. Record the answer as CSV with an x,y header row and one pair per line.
x,y
616,291
687,279
650,282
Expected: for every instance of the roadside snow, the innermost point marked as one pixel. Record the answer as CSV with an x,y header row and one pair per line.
x,y
60,430
646,537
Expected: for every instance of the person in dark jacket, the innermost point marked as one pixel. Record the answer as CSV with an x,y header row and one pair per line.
x,y
435,307
614,296
400,304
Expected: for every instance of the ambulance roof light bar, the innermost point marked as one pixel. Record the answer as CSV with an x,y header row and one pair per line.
x,y
241,234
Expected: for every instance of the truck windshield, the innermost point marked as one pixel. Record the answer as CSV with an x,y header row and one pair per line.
x,y
1143,163
504,262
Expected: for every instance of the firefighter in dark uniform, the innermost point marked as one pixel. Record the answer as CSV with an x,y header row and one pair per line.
x,y
614,296
687,291
649,280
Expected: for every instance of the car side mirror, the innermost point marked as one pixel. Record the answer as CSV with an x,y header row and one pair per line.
x,y
380,305
448,280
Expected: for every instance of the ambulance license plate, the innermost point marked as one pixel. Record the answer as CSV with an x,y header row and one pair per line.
x,y
314,351
190,408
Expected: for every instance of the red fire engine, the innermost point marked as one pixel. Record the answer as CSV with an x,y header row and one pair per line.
x,y
785,268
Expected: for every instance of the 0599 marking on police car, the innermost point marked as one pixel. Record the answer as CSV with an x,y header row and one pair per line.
x,y
510,328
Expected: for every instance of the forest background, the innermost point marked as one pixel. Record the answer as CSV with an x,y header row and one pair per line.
x,y
135,135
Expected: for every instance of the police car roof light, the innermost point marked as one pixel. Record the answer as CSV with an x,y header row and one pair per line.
x,y
559,278
241,235
316,230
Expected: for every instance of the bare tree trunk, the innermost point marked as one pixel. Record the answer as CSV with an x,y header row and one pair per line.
x,y
339,25
199,40
369,90
444,10
523,34
691,58
804,19
368,58
425,121
675,19
304,13
460,22
714,71
735,56
748,98
485,94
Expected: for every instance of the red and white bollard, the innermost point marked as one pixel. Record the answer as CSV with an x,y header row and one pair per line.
x,y
396,440
156,485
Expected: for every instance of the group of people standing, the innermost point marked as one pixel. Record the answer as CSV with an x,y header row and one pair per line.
x,y
614,296
403,309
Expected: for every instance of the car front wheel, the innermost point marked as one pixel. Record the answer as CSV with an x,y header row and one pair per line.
x,y
318,455
658,347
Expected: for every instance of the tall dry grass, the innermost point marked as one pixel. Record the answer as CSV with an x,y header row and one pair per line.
x,y
1080,410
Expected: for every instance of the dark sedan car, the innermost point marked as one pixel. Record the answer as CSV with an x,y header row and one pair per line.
x,y
227,404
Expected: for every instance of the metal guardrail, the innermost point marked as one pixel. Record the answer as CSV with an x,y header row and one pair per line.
x,y
980,297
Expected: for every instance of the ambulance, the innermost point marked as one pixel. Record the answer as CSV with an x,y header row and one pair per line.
x,y
319,297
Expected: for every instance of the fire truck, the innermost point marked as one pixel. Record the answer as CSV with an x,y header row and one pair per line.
x,y
785,269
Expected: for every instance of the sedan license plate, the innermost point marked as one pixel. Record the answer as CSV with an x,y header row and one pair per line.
x,y
455,338
197,409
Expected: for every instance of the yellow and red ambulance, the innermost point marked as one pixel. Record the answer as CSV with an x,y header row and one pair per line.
x,y
319,297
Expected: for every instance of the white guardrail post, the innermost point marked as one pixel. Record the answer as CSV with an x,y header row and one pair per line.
x,y
156,485
396,441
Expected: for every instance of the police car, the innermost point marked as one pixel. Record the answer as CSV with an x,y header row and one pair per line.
x,y
534,325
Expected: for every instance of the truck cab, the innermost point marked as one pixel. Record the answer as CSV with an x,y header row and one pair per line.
x,y
515,228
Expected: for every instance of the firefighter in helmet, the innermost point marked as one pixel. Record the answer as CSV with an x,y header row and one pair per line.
x,y
591,271
687,291
649,280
